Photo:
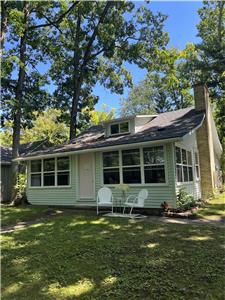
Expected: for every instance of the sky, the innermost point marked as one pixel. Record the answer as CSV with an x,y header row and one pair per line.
x,y
181,26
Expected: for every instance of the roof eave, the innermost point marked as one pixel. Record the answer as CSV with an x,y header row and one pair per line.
x,y
121,146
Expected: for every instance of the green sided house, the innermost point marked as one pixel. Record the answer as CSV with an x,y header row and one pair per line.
x,y
161,153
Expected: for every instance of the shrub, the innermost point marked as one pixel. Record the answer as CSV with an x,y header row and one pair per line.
x,y
185,201
21,185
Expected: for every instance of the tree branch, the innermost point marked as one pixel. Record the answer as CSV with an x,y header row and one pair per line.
x,y
54,22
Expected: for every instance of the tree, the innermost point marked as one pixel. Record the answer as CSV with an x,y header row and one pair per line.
x,y
45,126
165,88
92,45
211,60
26,32
98,116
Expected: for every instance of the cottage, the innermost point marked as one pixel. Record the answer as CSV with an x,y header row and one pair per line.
x,y
159,152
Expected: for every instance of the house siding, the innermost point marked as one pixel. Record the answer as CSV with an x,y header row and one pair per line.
x,y
156,194
55,195
70,195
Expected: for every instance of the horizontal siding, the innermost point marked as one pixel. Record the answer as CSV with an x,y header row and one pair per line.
x,y
156,194
55,195
193,189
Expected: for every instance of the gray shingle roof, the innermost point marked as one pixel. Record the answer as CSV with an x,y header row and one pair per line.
x,y
6,152
174,124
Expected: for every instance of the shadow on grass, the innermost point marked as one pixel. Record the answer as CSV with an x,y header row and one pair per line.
x,y
82,256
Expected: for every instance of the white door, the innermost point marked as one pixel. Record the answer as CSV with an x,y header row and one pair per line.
x,y
86,172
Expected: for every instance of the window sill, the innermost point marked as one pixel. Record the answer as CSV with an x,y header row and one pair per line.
x,y
137,184
49,187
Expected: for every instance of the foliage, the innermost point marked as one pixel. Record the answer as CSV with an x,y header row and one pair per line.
x,y
93,43
210,62
6,134
166,87
88,257
185,201
21,183
44,126
98,116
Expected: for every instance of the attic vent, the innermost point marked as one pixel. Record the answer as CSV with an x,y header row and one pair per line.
x,y
161,129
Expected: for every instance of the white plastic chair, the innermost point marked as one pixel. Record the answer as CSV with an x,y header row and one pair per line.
x,y
138,201
104,198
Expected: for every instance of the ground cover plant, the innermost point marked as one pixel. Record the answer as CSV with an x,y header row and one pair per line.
x,y
82,256
214,209
10,215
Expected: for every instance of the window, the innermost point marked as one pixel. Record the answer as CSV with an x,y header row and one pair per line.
x,y
54,171
134,166
197,165
49,172
63,173
119,128
35,173
184,169
131,166
154,168
111,171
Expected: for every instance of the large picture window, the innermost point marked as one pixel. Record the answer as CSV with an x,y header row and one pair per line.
x,y
154,168
184,168
50,172
134,166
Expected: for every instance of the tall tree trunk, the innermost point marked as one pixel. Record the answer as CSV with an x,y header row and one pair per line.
x,y
76,80
74,111
4,20
18,100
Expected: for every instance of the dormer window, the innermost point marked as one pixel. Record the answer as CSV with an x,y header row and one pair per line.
x,y
119,128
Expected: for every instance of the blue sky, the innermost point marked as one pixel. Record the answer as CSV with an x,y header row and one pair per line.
x,y
181,26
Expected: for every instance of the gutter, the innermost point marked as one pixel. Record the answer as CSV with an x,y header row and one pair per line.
x,y
101,149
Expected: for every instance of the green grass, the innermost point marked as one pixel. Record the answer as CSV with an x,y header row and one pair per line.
x,y
81,256
11,215
214,209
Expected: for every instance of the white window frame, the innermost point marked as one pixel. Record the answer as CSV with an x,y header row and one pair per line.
x,y
113,134
35,173
131,166
197,165
141,165
157,164
109,168
184,165
56,171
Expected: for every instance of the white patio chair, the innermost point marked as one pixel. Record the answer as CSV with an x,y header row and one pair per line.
x,y
104,198
138,201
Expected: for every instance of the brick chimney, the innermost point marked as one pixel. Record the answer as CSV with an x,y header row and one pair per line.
x,y
205,141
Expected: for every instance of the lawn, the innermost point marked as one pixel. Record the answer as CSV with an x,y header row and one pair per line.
x,y
11,215
82,256
214,209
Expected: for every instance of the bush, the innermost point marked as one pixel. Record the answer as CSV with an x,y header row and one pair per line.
x,y
21,187
185,201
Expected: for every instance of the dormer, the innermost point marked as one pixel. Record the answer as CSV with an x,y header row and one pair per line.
x,y
126,125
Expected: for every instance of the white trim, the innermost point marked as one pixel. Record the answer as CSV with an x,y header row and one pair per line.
x,y
119,123
55,172
141,166
100,149
195,129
